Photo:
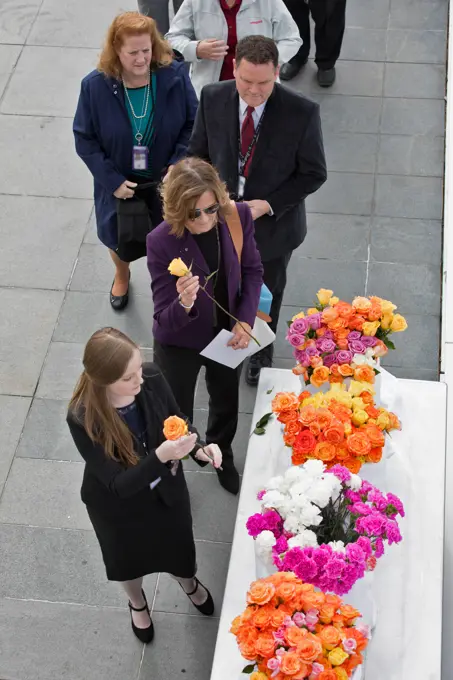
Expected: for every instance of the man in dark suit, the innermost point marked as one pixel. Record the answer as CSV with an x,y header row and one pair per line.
x,y
266,143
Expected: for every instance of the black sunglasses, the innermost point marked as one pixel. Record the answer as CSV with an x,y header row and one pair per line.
x,y
210,210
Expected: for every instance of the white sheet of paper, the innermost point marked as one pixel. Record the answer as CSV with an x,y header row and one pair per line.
x,y
218,349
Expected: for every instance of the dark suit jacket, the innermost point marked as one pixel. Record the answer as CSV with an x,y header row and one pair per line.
x,y
172,325
112,490
287,166
104,138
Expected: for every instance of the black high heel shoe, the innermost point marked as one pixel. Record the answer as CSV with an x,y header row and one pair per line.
x,y
207,608
119,302
143,634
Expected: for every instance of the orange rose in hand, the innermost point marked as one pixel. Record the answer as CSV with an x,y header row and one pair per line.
x,y
174,428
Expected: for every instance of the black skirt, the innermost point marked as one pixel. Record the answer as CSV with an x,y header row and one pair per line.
x,y
159,540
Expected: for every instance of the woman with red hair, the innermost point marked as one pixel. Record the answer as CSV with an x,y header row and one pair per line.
x,y
133,121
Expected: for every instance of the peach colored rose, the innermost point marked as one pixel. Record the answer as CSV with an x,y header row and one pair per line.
x,y
349,613
361,304
329,314
265,645
334,433
325,451
290,663
364,373
309,649
345,370
319,376
358,444
174,428
375,436
261,592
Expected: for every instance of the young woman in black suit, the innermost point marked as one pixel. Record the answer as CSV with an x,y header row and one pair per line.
x,y
133,485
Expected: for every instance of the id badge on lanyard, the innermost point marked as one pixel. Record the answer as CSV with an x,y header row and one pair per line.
x,y
140,157
241,186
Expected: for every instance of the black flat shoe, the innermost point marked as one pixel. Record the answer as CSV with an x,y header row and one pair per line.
x,y
256,363
143,634
229,477
326,78
289,70
207,608
119,302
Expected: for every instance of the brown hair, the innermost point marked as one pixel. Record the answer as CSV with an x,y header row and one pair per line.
x,y
105,360
186,182
123,26
257,50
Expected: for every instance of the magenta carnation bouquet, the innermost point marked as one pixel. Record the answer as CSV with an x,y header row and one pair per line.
x,y
326,526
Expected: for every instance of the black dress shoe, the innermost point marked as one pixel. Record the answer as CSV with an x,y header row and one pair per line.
x,y
143,634
207,608
258,361
326,78
229,476
119,302
292,68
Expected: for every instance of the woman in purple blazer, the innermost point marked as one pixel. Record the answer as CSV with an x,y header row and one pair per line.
x,y
195,204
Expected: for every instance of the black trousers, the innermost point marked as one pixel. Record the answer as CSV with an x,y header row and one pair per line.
x,y
329,17
181,367
275,279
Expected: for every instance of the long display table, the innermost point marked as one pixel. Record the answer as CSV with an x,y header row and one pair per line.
x,y
406,642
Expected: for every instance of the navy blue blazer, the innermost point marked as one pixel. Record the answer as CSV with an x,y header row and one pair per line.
x,y
104,138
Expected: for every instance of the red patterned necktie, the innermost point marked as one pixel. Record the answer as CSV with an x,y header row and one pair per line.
x,y
247,134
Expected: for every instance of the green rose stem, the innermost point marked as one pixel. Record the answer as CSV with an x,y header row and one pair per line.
x,y
203,288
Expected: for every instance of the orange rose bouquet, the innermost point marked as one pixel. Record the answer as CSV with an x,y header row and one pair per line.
x,y
337,339
290,632
341,426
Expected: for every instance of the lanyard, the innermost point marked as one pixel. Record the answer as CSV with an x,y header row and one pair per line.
x,y
243,160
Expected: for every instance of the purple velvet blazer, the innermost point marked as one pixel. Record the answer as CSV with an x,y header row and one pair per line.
x,y
172,324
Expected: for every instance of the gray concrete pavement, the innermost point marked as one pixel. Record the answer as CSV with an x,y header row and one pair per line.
x,y
375,228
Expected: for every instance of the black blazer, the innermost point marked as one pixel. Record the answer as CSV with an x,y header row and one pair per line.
x,y
287,166
114,491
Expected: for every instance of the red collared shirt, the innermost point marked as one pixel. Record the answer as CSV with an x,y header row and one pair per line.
x,y
230,17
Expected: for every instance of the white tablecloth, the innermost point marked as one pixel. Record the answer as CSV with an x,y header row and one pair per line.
x,y
406,643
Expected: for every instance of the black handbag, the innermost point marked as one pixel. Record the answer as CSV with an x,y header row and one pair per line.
x,y
134,225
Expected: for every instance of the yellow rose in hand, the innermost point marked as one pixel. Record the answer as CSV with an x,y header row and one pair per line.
x,y
337,656
370,327
311,311
386,321
398,324
178,267
324,295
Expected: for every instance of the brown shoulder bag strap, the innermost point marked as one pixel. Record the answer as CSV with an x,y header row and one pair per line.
x,y
234,225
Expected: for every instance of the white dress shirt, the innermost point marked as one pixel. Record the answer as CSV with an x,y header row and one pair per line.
x,y
256,115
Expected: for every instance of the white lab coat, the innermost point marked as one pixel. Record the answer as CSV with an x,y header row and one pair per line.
x,y
201,19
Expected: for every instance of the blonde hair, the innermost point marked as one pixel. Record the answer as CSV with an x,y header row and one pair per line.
x,y
105,360
123,26
186,182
